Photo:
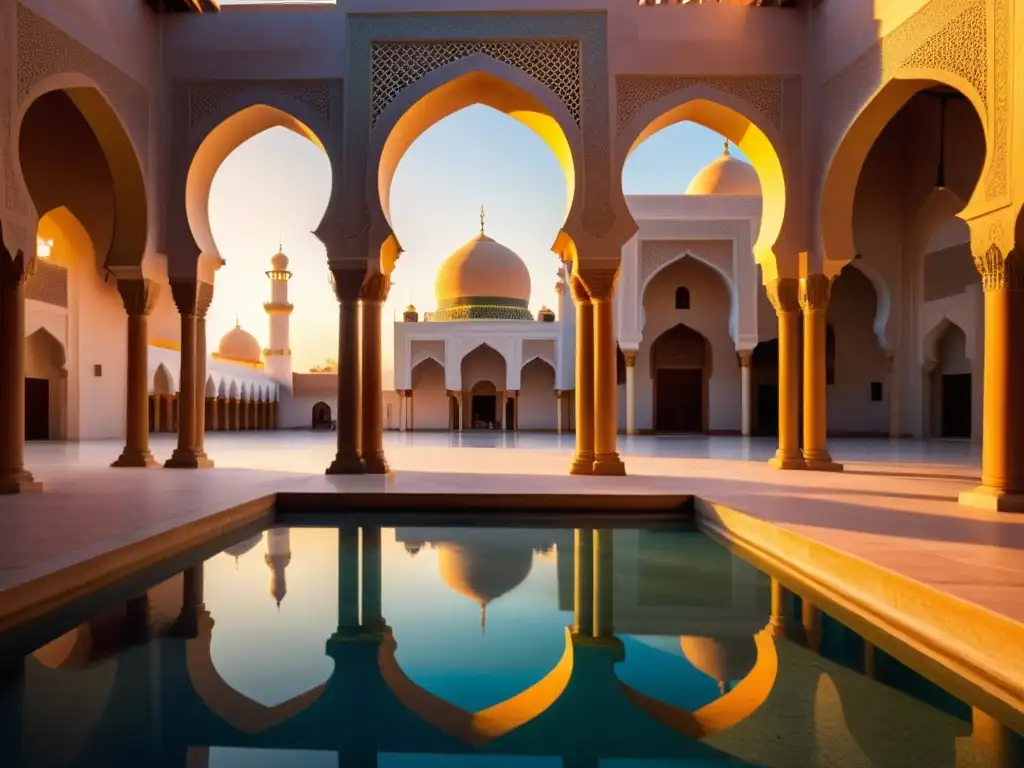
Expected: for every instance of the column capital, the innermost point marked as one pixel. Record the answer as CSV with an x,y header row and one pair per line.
x,y
204,298
630,358
13,266
347,282
599,282
139,295
815,290
375,288
890,362
1000,272
744,357
185,293
784,294
578,290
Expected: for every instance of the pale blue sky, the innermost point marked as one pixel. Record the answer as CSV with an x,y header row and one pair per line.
x,y
276,186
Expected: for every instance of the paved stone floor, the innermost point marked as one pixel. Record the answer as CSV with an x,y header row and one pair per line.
x,y
894,505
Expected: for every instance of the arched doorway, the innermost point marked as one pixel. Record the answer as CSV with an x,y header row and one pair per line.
x,y
483,406
950,386
538,405
681,369
430,402
45,387
322,416
484,373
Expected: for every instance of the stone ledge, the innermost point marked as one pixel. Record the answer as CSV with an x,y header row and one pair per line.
x,y
974,653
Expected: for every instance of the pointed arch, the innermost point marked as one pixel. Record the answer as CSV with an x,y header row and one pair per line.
x,y
163,381
930,341
489,363
727,280
883,302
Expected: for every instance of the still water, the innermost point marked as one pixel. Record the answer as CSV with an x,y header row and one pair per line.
x,y
492,647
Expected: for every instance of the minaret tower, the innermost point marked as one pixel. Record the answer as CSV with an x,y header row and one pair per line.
x,y
279,554
278,355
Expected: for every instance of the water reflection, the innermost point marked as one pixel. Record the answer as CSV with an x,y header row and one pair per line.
x,y
448,646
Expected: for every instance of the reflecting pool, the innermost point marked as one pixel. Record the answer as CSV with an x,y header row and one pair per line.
x,y
493,647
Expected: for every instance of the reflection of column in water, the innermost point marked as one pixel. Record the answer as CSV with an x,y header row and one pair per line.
x,y
604,597
583,578
991,744
348,578
811,619
372,615
780,597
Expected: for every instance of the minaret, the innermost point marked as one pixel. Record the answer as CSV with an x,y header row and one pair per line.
x,y
279,554
278,355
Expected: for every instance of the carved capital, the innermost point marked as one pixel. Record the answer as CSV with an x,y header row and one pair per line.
x,y
347,282
185,294
138,295
376,288
204,298
744,357
814,292
630,359
578,290
13,267
600,283
559,288
784,294
1000,272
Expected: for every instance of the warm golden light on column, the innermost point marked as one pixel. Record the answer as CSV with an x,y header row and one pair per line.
x,y
600,285
203,301
371,298
814,296
583,458
138,297
1002,450
186,295
744,358
630,392
784,293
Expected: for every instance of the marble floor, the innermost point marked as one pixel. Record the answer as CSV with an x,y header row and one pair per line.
x,y
894,505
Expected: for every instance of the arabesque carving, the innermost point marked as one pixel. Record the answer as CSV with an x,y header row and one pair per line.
x,y
138,295
784,294
376,288
600,283
347,282
209,97
815,291
578,290
398,64
6,73
999,272
633,93
656,253
997,184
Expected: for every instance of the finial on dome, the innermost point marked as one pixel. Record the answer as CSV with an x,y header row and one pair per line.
x,y
482,216
280,246
238,323
726,147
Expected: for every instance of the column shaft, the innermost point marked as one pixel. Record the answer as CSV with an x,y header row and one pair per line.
x,y
583,581
204,297
814,296
14,478
1002,447
138,297
601,286
745,357
784,296
373,295
630,393
347,284
604,587
185,456
583,459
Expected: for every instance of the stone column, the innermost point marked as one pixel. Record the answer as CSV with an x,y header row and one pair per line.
x,y
401,411
814,296
630,392
347,284
810,617
600,284
744,358
583,582
1002,447
138,297
558,411
515,409
371,298
214,405
185,456
604,587
583,459
460,409
14,478
204,297
784,293
373,617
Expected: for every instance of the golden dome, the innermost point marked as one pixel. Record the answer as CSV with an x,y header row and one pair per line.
x,y
279,262
239,346
726,175
724,660
483,273
483,571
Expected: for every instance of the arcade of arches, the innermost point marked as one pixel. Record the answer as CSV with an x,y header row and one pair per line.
x,y
887,301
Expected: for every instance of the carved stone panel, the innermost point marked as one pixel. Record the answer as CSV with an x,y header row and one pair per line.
x,y
655,254
207,98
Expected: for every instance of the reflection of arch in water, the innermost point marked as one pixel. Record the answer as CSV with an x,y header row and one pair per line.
x,y
321,416
476,728
726,711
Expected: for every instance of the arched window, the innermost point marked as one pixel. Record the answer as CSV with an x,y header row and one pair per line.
x,y
682,298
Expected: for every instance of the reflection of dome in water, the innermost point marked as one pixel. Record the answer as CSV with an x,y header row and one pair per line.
x,y
239,549
483,280
726,175
412,549
724,660
483,571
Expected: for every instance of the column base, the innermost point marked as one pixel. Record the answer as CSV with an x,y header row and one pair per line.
x,y
20,482
783,461
134,458
992,500
187,459
582,464
347,464
376,465
821,462
609,464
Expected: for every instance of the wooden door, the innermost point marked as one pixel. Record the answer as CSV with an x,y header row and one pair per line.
x,y
680,400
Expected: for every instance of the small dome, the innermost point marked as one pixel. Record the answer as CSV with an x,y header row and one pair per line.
x,y
724,660
279,262
483,571
726,175
239,346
